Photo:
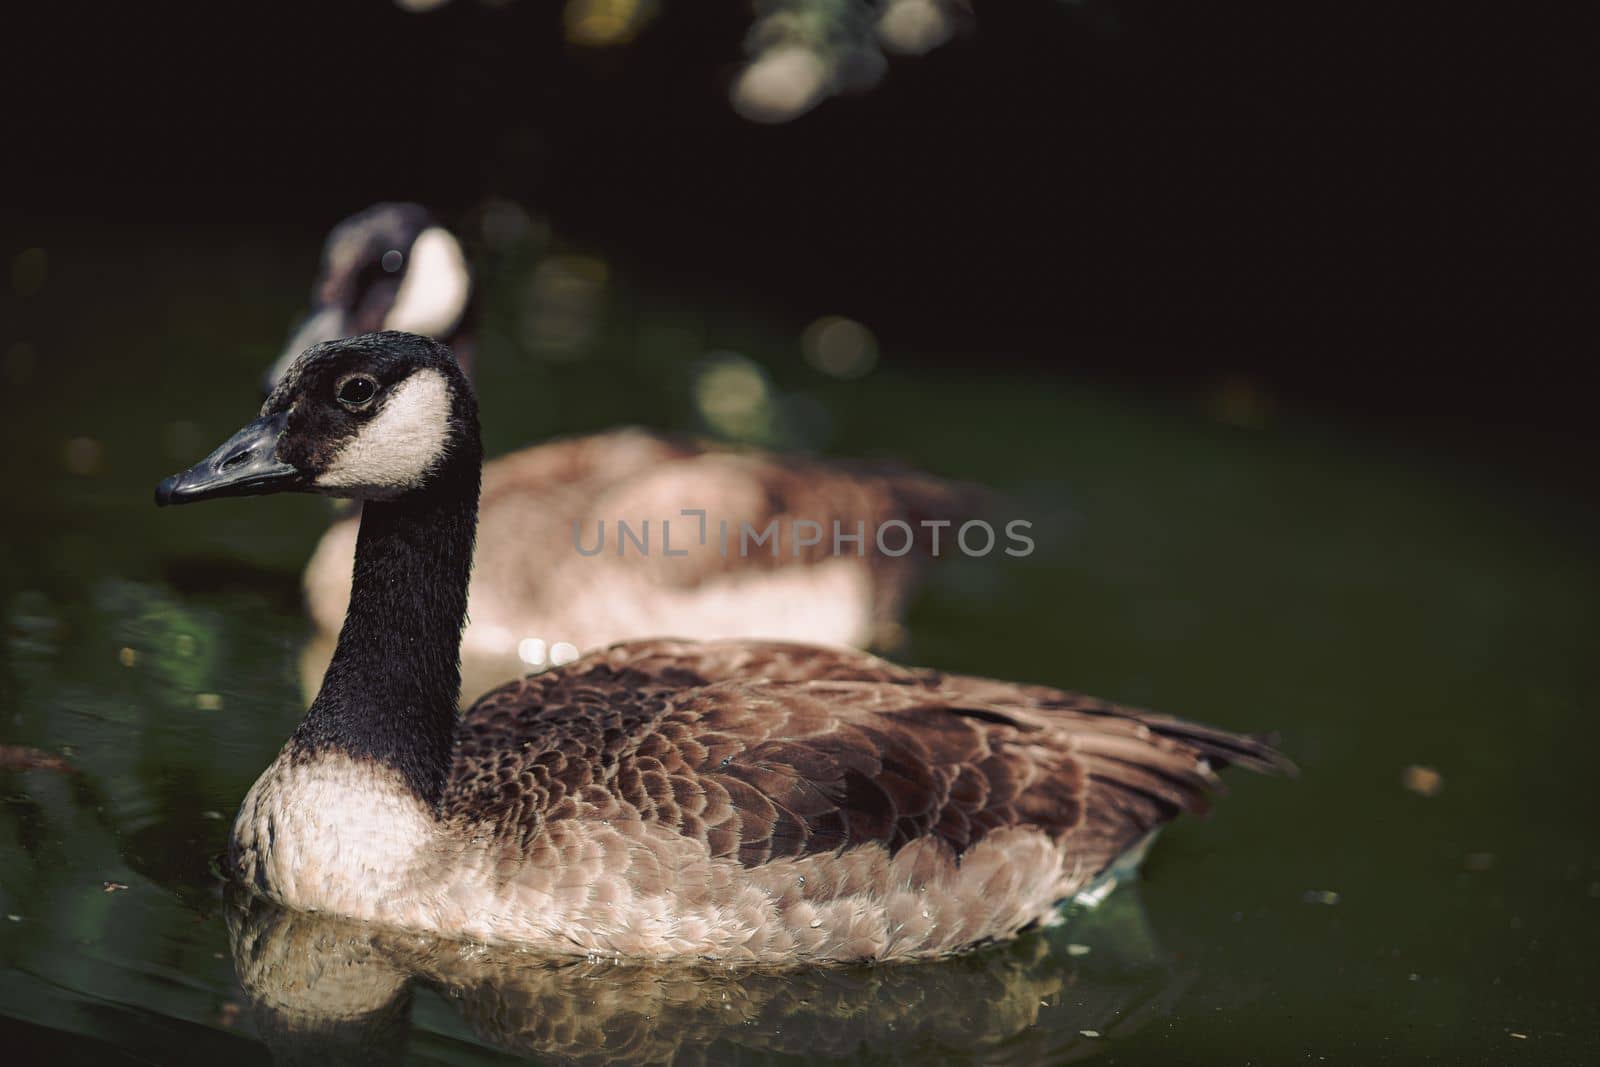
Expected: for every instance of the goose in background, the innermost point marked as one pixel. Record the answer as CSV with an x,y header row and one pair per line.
x,y
768,802
534,598
392,266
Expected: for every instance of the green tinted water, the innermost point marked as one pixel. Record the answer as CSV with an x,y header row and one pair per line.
x,y
1379,606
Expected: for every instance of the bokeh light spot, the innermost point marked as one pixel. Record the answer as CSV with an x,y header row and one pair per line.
x,y
562,310
605,23
840,347
733,397
913,27
780,85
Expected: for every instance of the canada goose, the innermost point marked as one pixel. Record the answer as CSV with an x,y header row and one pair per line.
x,y
533,598
763,801
391,266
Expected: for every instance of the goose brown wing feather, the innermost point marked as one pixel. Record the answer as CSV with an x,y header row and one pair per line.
x,y
763,751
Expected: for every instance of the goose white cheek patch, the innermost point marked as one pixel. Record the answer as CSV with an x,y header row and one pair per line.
x,y
433,294
395,450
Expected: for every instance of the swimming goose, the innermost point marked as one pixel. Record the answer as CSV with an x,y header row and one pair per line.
x,y
770,802
533,598
392,266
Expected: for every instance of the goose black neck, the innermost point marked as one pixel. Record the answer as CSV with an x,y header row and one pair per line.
x,y
391,691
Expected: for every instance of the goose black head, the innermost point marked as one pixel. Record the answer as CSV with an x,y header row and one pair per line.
x,y
372,417
390,267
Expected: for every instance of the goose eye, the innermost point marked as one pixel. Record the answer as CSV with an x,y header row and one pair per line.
x,y
393,260
357,391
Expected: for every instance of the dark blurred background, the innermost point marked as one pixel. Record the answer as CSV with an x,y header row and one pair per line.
x,y
1369,209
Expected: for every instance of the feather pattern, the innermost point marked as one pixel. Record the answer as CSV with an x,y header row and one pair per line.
x,y
766,762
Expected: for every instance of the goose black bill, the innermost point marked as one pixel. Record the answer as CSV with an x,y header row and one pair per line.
x,y
246,464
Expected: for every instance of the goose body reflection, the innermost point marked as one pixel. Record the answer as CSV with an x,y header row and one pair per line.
x,y
331,991
766,802
534,598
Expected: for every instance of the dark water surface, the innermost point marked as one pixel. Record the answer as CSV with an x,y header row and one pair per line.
x,y
1379,605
